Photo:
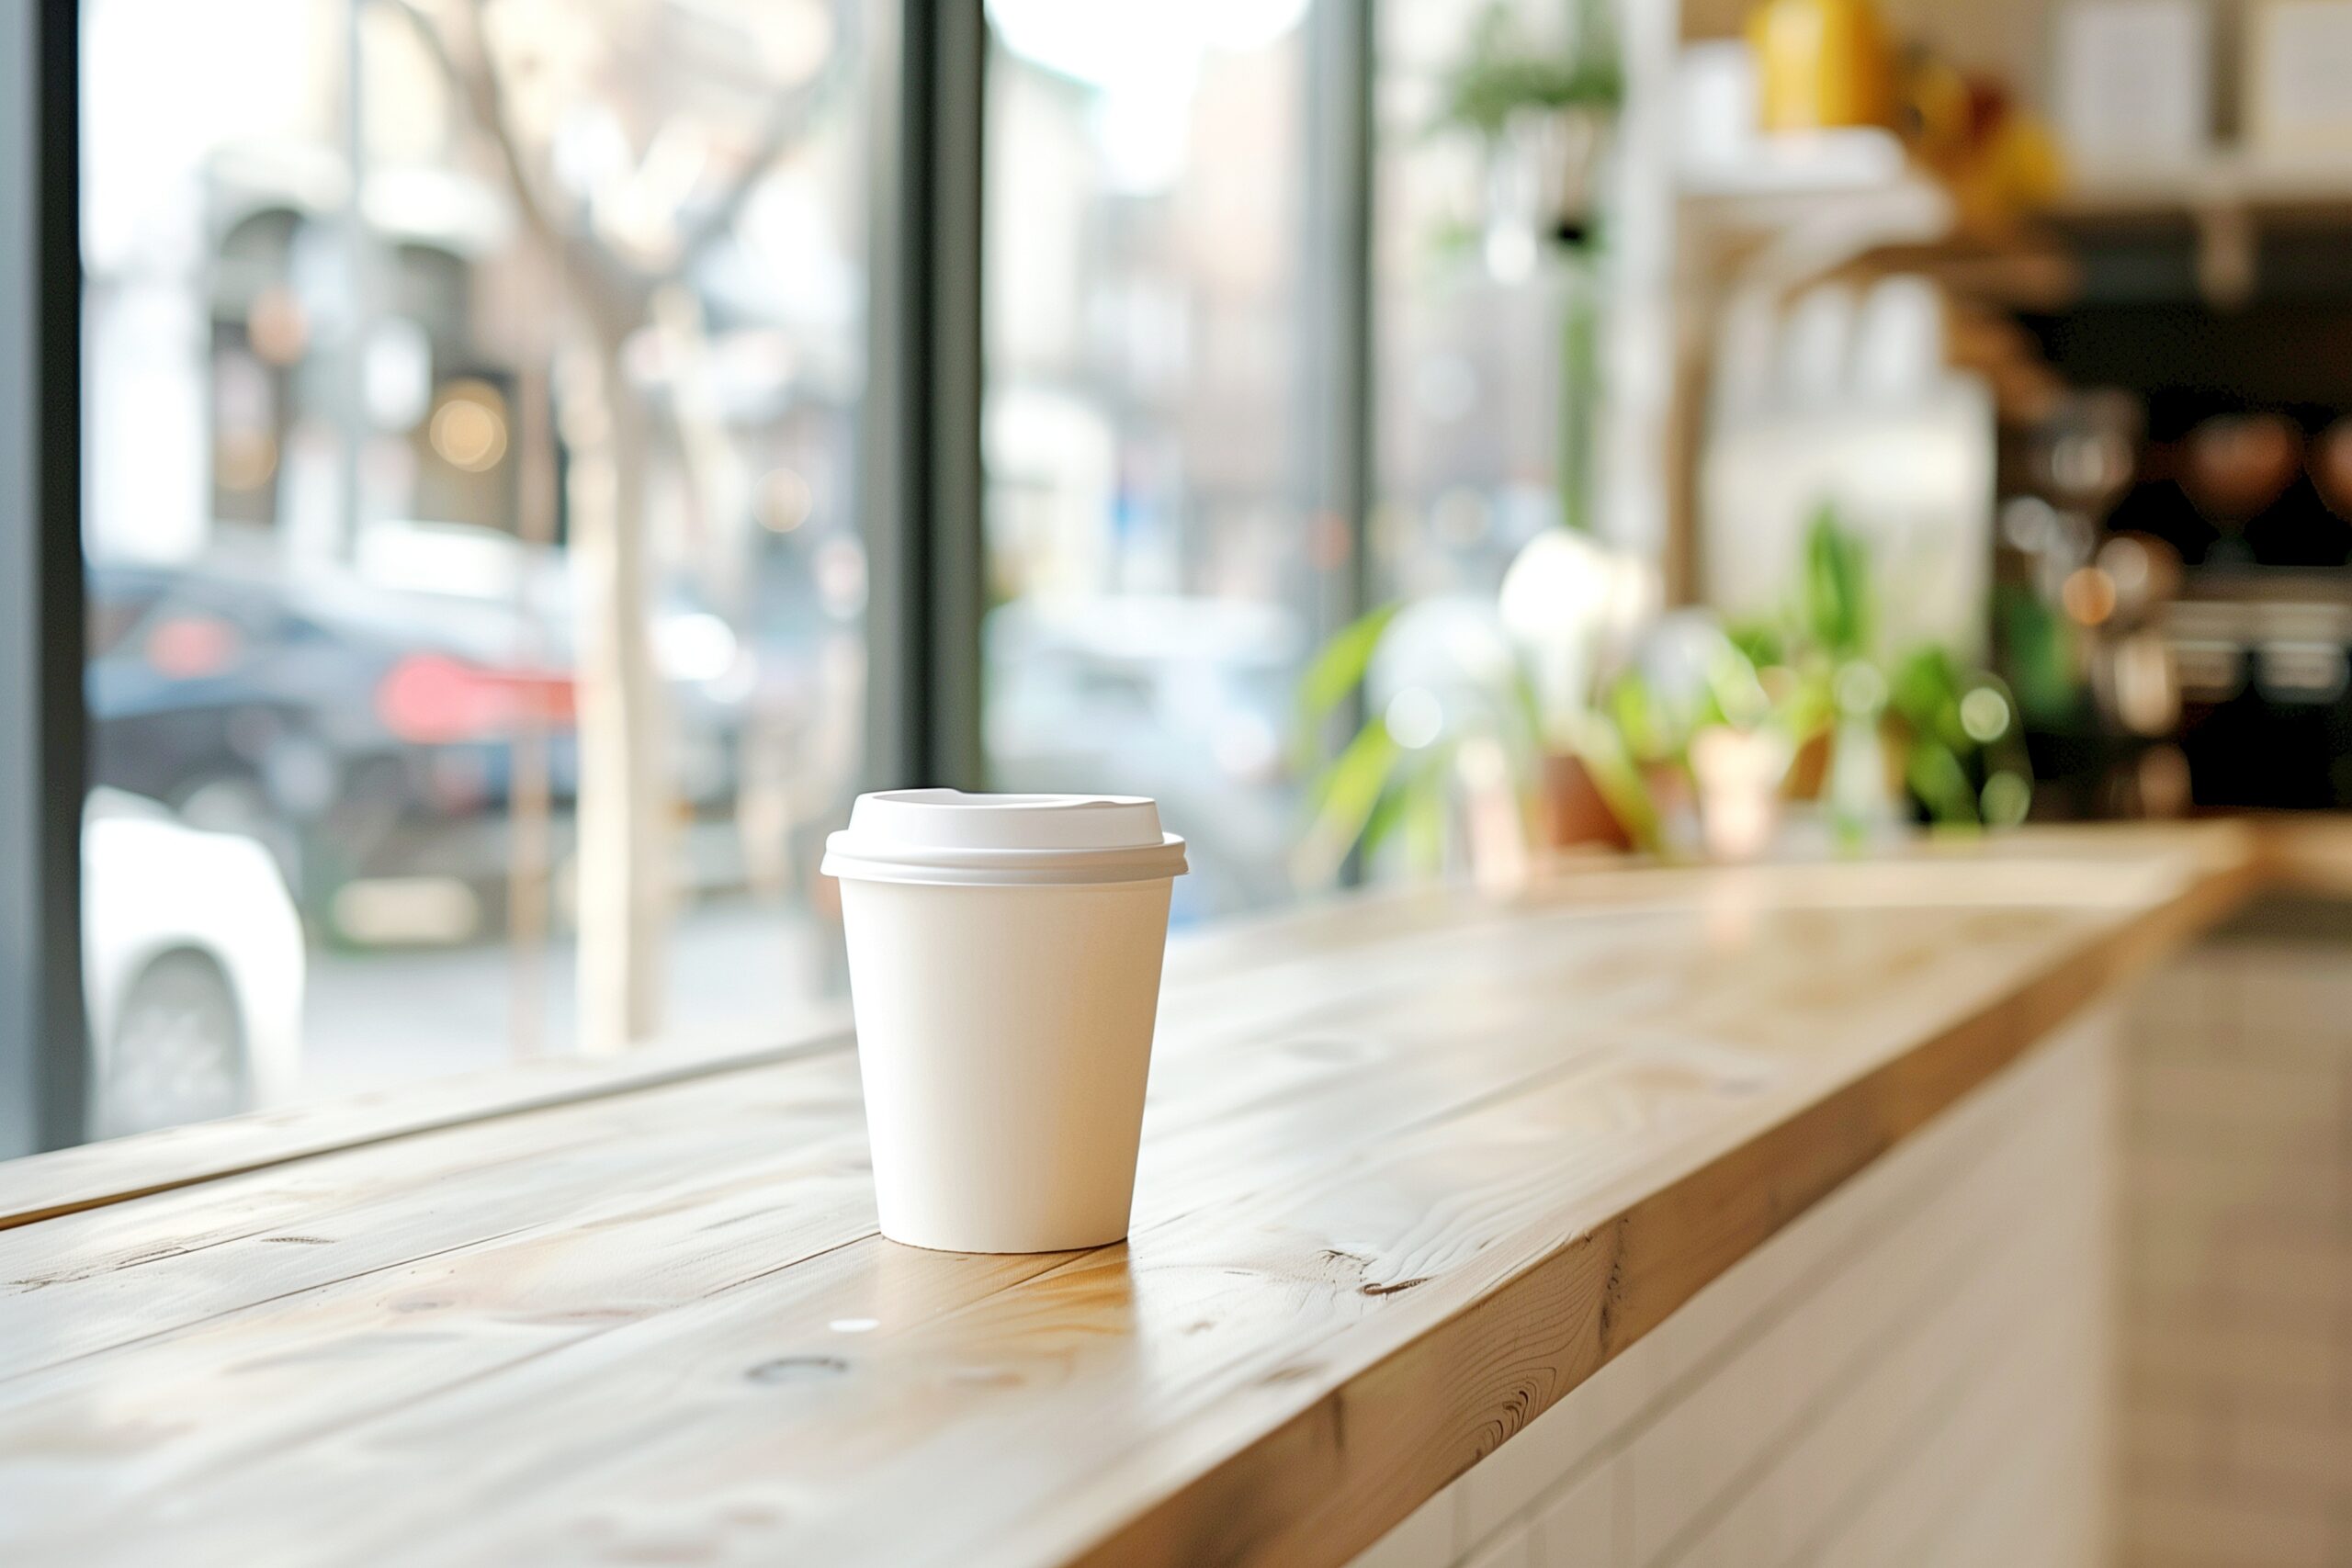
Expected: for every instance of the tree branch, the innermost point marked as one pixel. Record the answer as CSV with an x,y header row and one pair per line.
x,y
477,83
786,124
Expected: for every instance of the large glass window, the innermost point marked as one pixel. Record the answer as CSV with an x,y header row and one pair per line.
x,y
1476,320
471,402
1153,566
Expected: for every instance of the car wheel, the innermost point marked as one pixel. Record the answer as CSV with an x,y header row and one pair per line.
x,y
178,1050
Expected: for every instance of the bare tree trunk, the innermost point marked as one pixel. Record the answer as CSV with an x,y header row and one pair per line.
x,y
624,861
529,789
623,811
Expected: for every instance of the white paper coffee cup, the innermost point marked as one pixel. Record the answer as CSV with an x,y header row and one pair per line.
x,y
1004,956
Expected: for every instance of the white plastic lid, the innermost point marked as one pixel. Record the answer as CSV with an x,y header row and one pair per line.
x,y
945,836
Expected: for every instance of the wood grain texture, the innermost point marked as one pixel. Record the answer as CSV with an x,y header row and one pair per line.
x,y
44,1186
1414,1166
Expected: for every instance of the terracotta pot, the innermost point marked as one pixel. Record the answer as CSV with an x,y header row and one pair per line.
x,y
1572,810
1809,768
1671,791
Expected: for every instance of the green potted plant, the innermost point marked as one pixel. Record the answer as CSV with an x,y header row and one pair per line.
x,y
1542,116
1485,718
1876,731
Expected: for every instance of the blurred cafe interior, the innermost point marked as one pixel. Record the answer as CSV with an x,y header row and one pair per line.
x,y
1744,607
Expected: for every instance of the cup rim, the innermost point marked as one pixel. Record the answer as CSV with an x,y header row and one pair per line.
x,y
950,837
943,867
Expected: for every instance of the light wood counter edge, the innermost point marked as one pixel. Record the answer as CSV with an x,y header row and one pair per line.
x,y
1341,1472
90,1176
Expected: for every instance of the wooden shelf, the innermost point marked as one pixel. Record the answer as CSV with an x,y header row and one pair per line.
x,y
1799,207
1825,163
2225,181
1808,216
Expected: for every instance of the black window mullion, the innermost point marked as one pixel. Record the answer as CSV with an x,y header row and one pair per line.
x,y
922,406
43,1042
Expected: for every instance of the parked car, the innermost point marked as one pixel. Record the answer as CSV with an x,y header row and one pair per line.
x,y
365,735
193,968
1186,699
351,734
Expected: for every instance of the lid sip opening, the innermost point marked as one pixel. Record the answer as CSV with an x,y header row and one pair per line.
x,y
949,837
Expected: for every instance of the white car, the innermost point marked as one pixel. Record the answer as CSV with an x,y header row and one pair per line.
x,y
192,961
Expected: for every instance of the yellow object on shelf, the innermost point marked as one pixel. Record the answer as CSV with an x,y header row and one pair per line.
x,y
1821,63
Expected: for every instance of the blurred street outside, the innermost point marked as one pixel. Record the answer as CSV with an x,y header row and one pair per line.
x,y
742,972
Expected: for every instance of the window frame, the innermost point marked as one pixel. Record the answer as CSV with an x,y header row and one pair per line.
x,y
920,457
44,1062
921,416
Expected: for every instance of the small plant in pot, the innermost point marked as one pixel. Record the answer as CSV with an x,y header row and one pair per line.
x,y
1569,711
1880,737
1542,116
1711,747
1484,729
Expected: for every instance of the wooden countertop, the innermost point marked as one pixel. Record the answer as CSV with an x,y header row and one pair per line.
x,y
1414,1166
